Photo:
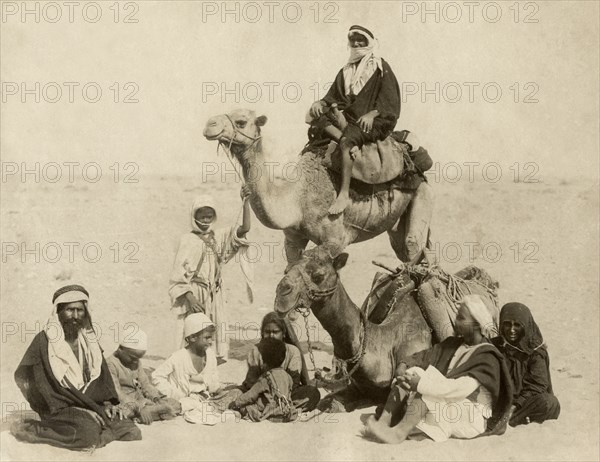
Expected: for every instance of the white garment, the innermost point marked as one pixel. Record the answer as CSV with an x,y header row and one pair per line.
x,y
65,366
456,407
357,75
187,273
178,378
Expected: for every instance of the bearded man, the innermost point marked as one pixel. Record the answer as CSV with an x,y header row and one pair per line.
x,y
66,380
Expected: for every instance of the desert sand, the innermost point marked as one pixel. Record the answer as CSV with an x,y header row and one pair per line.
x,y
559,283
164,68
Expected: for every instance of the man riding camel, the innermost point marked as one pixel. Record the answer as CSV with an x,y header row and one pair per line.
x,y
365,106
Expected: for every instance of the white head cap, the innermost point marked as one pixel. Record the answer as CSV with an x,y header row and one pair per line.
x,y
137,340
196,322
481,314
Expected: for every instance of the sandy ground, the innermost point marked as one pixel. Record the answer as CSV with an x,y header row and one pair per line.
x,y
558,220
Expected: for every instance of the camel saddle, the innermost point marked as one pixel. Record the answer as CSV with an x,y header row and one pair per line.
x,y
377,163
432,295
394,158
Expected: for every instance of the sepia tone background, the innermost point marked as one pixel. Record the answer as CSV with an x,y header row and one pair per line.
x,y
516,184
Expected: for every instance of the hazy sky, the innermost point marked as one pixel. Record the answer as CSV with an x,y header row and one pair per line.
x,y
180,58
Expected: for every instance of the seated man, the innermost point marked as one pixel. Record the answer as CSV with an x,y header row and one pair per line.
x,y
66,380
459,388
139,399
367,93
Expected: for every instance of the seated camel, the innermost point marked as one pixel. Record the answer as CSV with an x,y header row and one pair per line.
x,y
370,350
313,283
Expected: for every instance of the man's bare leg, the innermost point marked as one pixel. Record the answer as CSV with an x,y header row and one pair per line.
x,y
396,435
343,199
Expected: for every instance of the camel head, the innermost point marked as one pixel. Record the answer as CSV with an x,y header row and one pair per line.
x,y
313,277
240,129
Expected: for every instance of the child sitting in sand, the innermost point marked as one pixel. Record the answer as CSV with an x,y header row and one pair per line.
x,y
270,397
138,398
190,374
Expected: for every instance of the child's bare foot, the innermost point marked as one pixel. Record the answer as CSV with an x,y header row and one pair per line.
x,y
340,204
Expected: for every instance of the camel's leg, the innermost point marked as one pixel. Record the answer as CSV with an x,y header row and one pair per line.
x,y
410,236
294,244
344,400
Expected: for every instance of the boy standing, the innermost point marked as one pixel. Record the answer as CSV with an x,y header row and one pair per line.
x,y
195,285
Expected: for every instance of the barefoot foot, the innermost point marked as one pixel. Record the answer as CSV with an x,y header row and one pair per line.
x,y
340,204
381,431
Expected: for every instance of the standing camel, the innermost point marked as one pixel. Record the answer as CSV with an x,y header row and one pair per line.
x,y
300,206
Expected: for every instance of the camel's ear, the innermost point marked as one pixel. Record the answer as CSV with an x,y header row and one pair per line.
x,y
260,120
340,261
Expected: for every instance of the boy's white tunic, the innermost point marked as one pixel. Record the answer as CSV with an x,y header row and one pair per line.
x,y
178,378
197,270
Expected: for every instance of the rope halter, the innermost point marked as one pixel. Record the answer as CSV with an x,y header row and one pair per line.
x,y
237,131
314,293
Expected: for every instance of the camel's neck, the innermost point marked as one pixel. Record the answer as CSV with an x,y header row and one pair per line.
x,y
273,199
340,317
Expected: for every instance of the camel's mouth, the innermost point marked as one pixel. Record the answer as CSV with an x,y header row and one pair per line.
x,y
286,303
283,305
212,137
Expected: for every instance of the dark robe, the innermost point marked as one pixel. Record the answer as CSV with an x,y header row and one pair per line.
x,y
486,365
66,420
381,92
529,366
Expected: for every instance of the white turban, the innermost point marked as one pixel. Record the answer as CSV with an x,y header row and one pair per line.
x,y
138,340
196,322
481,314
